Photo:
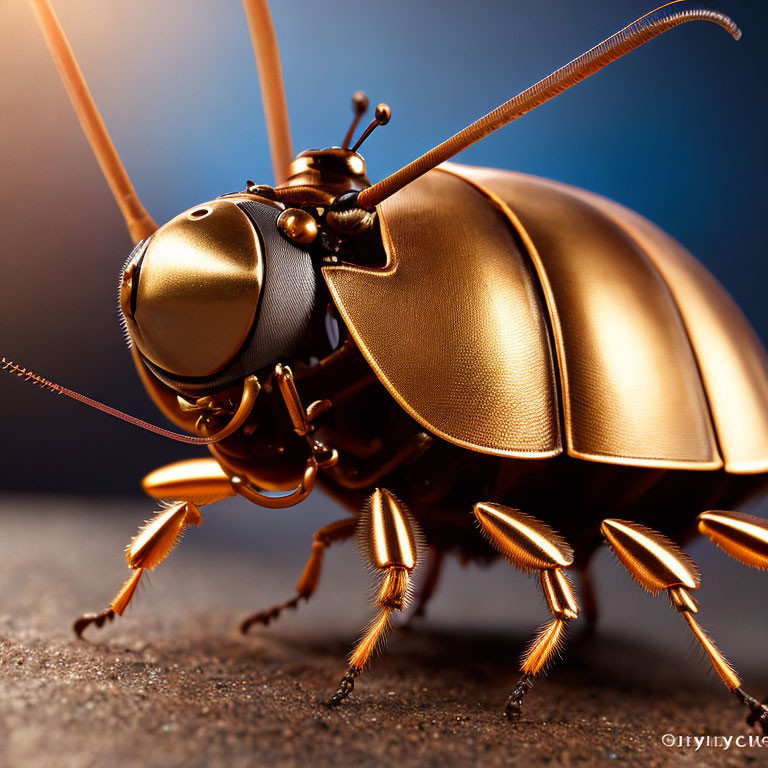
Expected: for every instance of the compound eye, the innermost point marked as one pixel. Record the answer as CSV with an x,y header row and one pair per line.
x,y
193,302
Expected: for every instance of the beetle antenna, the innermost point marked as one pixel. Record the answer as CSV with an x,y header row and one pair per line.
x,y
267,53
12,368
632,36
360,107
382,115
140,223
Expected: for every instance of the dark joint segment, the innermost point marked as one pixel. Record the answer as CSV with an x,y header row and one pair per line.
x,y
346,686
758,713
99,619
270,614
514,707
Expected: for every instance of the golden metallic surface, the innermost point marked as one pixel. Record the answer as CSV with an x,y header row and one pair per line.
x,y
256,496
544,647
744,537
140,223
382,116
682,601
453,326
298,225
127,591
732,360
251,389
558,592
526,542
201,481
198,291
386,532
719,662
334,170
170,405
164,398
320,454
631,388
296,412
652,559
156,540
267,54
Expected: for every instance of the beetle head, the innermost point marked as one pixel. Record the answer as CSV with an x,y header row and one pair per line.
x,y
216,294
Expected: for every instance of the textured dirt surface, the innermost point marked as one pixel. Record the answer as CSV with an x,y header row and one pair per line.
x,y
173,684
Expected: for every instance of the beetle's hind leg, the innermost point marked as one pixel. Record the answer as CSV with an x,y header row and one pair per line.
x,y
341,530
533,546
195,483
658,564
388,536
745,538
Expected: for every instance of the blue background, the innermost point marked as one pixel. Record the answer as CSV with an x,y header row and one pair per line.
x,y
675,130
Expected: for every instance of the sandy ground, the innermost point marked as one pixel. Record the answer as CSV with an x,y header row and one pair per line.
x,y
174,684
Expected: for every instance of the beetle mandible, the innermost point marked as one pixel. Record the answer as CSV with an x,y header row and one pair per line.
x,y
563,342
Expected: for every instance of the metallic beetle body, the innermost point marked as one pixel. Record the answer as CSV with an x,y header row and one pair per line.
x,y
482,389
449,347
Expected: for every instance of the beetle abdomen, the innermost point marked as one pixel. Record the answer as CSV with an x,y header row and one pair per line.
x,y
657,367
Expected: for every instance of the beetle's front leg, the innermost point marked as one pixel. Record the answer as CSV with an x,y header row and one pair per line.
x,y
198,482
153,543
388,535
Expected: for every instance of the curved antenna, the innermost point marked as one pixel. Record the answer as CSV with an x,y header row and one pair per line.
x,y
140,223
382,116
267,54
632,36
359,107
251,389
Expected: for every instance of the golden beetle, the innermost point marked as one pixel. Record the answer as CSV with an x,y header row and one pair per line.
x,y
442,349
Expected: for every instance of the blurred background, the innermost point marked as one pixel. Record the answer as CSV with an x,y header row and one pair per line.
x,y
675,131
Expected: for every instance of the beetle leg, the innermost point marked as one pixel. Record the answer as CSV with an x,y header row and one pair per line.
x,y
341,530
198,482
388,536
531,545
657,563
743,537
153,543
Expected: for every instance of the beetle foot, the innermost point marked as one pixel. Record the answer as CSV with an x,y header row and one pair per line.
x,y
759,716
346,686
758,713
99,619
514,707
269,615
